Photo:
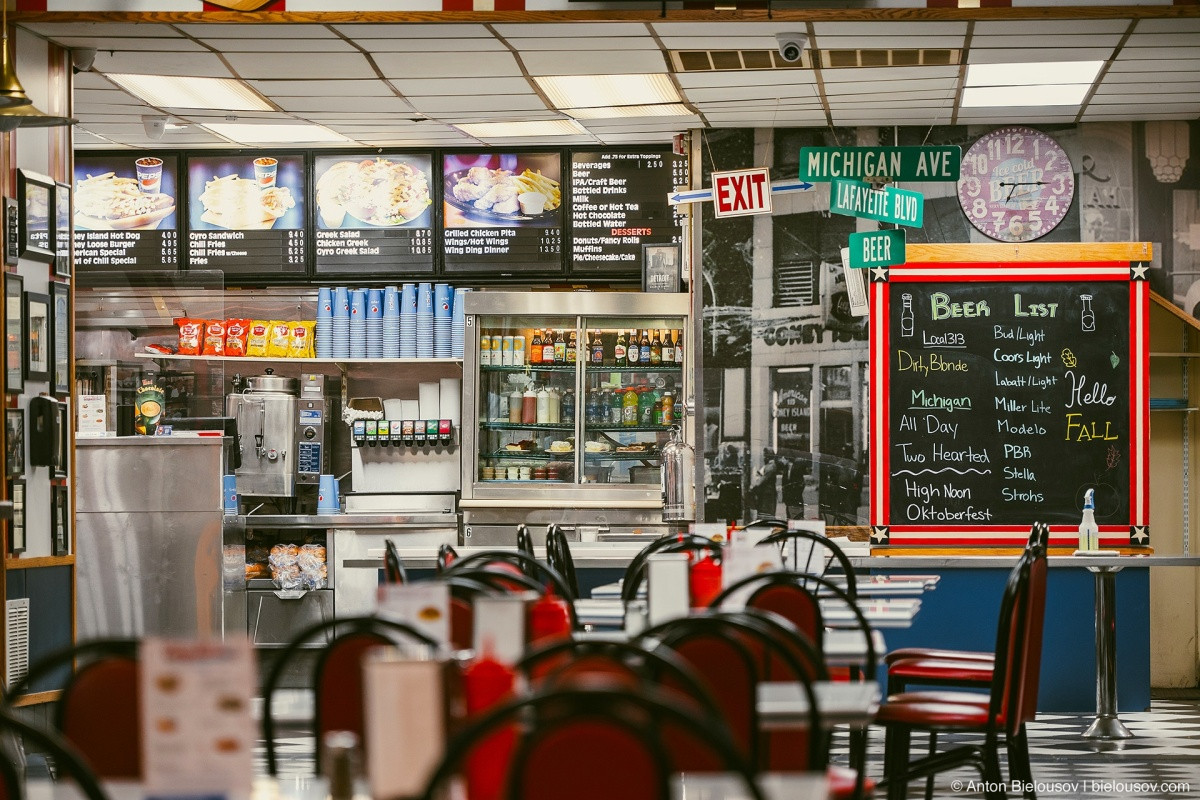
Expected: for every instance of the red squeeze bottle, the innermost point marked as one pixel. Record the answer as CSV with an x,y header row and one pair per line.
x,y
549,619
704,581
486,683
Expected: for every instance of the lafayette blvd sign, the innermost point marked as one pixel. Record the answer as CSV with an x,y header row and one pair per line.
x,y
858,199
876,249
742,192
936,163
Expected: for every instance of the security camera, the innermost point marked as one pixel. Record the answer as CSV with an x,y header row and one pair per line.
x,y
791,45
82,58
155,126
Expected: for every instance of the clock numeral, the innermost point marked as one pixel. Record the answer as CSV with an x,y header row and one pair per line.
x,y
979,208
972,186
1035,219
1052,204
1060,184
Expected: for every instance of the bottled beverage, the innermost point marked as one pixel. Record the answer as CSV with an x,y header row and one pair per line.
x,y
906,315
668,409
548,348
656,354
646,407
635,350
616,408
572,348
629,409
658,411
1089,533
668,347
679,347
619,350
535,348
597,349
485,350
567,412
543,406
644,356
591,411
560,348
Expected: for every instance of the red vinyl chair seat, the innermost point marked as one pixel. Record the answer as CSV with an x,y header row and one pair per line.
x,y
935,710
907,653
842,781
101,717
932,670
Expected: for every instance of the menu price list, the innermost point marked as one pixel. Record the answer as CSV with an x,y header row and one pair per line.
x,y
618,203
127,250
515,249
350,250
1008,401
249,251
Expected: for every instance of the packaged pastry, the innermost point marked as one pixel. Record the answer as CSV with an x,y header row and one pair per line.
x,y
256,338
214,338
301,344
285,570
314,573
279,337
236,333
191,335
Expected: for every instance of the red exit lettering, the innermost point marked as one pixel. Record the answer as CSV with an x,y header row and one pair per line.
x,y
742,192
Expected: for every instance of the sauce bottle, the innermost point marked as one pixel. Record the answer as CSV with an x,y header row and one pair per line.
x,y
543,406
487,683
555,405
529,407
1089,533
514,406
535,348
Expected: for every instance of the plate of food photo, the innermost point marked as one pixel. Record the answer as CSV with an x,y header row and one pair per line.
x,y
107,202
378,192
501,195
240,204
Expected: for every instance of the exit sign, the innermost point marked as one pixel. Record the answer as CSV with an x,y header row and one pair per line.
x,y
858,199
742,192
876,249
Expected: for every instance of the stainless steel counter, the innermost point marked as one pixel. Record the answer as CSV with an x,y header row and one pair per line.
x,y
338,521
148,441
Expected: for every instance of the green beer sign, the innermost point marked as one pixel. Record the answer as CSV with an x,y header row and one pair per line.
x,y
934,163
876,249
858,199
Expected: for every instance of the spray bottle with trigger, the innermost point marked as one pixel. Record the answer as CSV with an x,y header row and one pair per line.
x,y
1089,533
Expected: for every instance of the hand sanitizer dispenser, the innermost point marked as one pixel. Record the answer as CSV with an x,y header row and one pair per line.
x,y
1089,533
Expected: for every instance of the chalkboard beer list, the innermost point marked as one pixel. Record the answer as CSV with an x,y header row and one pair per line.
x,y
373,214
246,213
502,211
125,212
1006,401
619,203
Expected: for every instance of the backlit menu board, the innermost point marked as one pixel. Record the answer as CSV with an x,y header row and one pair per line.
x,y
246,213
502,212
619,203
126,212
373,214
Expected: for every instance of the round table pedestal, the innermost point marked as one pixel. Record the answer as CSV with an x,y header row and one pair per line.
x,y
1106,725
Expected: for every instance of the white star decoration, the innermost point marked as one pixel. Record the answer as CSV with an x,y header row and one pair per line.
x,y
879,274
879,534
1140,535
1138,271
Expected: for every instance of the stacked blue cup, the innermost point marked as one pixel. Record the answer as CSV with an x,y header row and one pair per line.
x,y
358,323
443,297
408,321
324,331
340,326
458,324
391,322
374,323
425,320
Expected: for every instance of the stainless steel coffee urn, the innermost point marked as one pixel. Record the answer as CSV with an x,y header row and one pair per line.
x,y
281,433
678,480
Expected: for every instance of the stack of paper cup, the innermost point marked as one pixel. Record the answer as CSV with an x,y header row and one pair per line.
x,y
341,322
358,323
429,397
408,321
458,323
443,297
324,332
425,320
391,324
374,323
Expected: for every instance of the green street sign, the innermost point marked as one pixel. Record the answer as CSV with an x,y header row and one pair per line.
x,y
889,204
936,163
876,249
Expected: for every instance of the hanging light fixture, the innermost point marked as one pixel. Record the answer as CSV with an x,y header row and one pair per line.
x,y
12,93
29,117
16,109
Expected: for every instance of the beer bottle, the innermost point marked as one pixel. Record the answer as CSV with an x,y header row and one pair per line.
x,y
560,348
644,356
635,351
535,348
656,349
597,349
668,347
548,347
679,347
619,350
572,348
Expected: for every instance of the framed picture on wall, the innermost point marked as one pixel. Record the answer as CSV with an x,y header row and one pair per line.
x,y
660,267
62,229
60,520
14,333
37,336
35,198
12,231
14,442
16,528
60,384
62,441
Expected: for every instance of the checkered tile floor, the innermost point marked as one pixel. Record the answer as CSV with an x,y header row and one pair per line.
x,y
1162,762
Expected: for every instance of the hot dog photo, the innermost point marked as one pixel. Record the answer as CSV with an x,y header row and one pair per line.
x,y
134,192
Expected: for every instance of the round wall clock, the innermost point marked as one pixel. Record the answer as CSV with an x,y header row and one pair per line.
x,y
1016,184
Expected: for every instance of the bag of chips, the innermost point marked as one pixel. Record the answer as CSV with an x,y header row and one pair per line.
x,y
279,337
256,338
236,333
301,345
191,335
214,338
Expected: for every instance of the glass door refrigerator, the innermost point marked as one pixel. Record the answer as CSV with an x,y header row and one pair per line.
x,y
568,401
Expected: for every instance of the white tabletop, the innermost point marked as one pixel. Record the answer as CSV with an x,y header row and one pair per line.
x,y
774,785
867,586
881,612
785,705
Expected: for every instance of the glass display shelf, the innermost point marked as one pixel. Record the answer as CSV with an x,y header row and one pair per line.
x,y
634,367
517,426
279,360
605,427
535,455
615,456
529,368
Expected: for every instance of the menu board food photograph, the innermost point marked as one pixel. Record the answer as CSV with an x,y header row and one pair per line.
x,y
502,211
126,212
246,212
374,213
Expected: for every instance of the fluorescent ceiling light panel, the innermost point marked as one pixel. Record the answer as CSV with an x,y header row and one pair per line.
x,y
169,91
540,127
595,91
998,96
274,133
1033,73
613,112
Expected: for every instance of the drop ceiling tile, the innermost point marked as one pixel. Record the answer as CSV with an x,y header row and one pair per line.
x,y
527,141
831,42
787,77
453,117
1037,27
1032,54
751,92
342,88
403,30
208,114
1173,39
767,119
637,138
1183,54
897,31
594,62
1138,117
310,65
464,105
584,43
462,86
1190,67
839,89
197,65
383,105
1168,26
1031,116
452,47
113,97
1050,40
906,98
1116,76
1184,110
867,117
101,31
1150,98
716,42
134,43
281,45
889,75
479,65
92,80
726,28
581,30
220,30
